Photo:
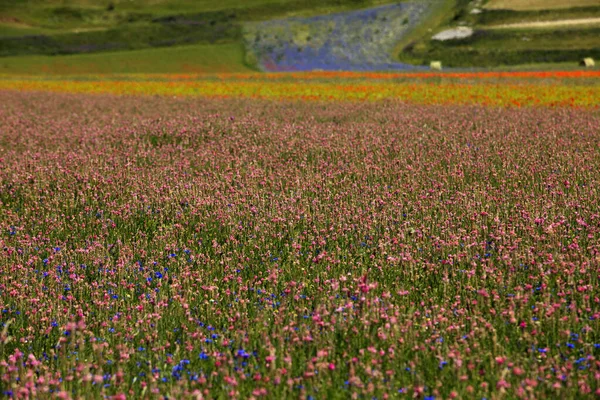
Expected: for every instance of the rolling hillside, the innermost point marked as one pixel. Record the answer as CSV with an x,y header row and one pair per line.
x,y
511,33
84,36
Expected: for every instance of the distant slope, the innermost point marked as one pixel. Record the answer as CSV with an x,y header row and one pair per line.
x,y
360,40
523,40
81,26
240,35
70,27
199,58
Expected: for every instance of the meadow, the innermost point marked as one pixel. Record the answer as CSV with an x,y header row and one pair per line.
x,y
574,88
198,58
300,236
289,35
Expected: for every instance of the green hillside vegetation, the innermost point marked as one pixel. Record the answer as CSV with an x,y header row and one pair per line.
x,y
55,36
65,16
84,13
71,27
492,47
197,58
8,29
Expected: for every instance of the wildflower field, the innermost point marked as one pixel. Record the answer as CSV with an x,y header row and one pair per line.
x,y
574,89
192,238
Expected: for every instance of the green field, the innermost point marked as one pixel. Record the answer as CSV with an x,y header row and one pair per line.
x,y
199,58
84,36
72,16
109,28
489,47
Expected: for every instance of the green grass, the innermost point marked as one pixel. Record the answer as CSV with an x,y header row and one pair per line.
x,y
73,27
8,29
506,48
499,17
180,59
115,27
526,39
164,7
67,15
509,47
39,29
214,29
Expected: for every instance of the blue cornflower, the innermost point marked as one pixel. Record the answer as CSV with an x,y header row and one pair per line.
x,y
242,353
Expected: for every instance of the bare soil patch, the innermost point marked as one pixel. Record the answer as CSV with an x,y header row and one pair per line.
x,y
550,24
538,4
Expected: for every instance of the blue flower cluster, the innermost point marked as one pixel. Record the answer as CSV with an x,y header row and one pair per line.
x,y
361,40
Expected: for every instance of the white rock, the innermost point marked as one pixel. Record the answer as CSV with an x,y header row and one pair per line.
x,y
461,32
